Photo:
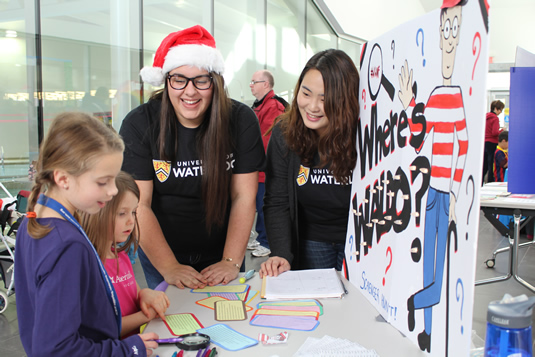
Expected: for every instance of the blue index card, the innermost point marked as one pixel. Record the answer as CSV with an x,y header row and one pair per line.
x,y
227,338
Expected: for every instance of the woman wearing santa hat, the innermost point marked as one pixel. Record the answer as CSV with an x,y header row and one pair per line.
x,y
195,154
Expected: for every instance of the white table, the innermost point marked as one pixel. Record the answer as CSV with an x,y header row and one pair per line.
x,y
506,205
352,318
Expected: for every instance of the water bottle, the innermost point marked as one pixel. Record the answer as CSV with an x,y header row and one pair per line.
x,y
509,328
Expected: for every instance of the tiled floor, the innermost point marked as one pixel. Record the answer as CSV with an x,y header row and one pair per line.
x,y
489,239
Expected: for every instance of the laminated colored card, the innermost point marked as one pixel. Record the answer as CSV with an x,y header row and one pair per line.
x,y
237,289
243,296
210,301
314,314
227,296
181,324
301,323
304,302
292,308
233,296
226,310
228,338
252,294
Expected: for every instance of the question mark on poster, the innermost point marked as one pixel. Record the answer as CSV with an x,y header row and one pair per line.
x,y
474,49
393,47
351,247
418,44
364,97
389,249
420,165
460,282
470,179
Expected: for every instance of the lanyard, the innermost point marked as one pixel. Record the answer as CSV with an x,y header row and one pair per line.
x,y
110,291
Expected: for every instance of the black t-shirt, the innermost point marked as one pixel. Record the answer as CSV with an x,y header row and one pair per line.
x,y
323,205
177,197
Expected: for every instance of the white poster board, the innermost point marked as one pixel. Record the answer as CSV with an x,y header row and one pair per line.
x,y
420,143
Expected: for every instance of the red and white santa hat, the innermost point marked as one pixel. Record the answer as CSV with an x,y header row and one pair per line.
x,y
193,46
451,3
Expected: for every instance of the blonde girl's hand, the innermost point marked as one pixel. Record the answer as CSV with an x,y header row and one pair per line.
x,y
155,300
148,340
274,266
222,272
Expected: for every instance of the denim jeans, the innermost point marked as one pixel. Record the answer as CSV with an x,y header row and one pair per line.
x,y
260,228
321,255
435,243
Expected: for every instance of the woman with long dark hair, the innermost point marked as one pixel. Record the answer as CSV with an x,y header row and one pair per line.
x,y
195,155
310,158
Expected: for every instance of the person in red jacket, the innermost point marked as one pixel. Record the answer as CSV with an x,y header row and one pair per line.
x,y
492,129
267,107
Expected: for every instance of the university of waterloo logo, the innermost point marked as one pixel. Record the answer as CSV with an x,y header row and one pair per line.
x,y
162,169
302,176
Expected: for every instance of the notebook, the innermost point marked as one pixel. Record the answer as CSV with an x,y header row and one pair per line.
x,y
303,284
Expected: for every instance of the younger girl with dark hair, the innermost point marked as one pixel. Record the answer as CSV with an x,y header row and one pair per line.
x,y
117,223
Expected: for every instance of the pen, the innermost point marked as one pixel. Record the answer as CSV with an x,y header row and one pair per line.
x,y
344,287
247,276
170,340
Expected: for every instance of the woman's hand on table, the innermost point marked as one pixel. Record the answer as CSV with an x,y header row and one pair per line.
x,y
185,276
222,272
148,340
274,266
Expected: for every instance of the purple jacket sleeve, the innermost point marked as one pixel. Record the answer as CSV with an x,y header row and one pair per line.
x,y
66,301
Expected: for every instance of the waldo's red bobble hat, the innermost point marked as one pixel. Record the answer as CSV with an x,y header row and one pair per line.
x,y
193,46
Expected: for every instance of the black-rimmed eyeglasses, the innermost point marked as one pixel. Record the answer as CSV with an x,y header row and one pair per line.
x,y
178,82
255,82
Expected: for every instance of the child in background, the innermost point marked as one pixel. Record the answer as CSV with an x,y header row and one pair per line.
x,y
117,223
66,304
501,156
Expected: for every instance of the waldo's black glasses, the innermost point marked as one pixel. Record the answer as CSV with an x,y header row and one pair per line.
x,y
178,82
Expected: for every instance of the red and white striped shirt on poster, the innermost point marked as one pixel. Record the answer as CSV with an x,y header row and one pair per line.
x,y
444,113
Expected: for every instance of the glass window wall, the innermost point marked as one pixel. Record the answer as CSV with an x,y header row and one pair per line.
x,y
242,43
86,56
286,43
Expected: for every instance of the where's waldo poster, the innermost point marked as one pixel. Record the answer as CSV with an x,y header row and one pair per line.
x,y
414,213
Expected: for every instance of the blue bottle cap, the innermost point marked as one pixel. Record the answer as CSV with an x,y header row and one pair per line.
x,y
511,315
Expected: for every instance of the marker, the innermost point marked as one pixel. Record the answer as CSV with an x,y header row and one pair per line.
x,y
213,353
181,353
247,276
170,340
